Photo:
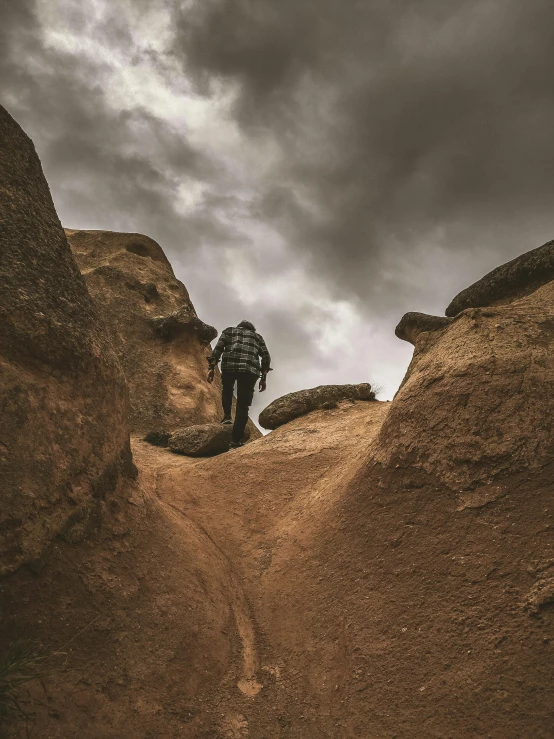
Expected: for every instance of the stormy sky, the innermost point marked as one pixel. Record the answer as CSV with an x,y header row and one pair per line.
x,y
317,167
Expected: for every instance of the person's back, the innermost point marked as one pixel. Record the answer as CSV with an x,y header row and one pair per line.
x,y
244,358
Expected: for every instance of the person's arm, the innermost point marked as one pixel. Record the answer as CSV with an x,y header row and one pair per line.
x,y
266,364
216,355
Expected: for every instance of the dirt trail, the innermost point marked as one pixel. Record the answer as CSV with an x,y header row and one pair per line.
x,y
248,683
253,507
379,603
296,589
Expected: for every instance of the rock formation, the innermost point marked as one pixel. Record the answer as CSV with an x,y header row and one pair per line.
x,y
475,406
160,340
64,437
365,570
94,569
515,279
414,324
383,603
293,405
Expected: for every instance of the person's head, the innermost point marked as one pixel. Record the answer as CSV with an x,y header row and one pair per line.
x,y
247,324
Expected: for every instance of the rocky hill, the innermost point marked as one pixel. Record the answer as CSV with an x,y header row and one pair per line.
x,y
367,569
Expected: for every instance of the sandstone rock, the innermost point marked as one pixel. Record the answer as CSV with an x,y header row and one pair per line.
x,y
378,578
413,324
64,438
513,280
161,342
297,404
203,440
477,402
169,327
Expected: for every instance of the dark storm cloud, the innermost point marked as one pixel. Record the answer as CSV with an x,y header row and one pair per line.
x,y
108,168
442,118
18,18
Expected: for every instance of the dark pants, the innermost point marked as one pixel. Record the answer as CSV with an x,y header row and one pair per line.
x,y
246,382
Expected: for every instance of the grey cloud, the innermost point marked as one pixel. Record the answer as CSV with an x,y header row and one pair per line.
x,y
109,169
119,170
443,119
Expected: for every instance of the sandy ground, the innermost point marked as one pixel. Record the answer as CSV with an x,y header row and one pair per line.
x,y
294,588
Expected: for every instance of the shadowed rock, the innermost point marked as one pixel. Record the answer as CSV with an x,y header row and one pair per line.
x,y
168,327
413,324
64,437
158,438
203,440
515,279
297,404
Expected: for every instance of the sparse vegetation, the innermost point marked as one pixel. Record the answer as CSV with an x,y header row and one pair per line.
x,y
377,389
21,663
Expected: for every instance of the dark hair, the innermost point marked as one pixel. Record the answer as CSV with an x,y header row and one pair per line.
x,y
247,324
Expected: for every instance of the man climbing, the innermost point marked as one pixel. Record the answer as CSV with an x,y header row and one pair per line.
x,y
242,350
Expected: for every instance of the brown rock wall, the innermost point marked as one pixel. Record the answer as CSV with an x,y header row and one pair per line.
x,y
161,342
63,399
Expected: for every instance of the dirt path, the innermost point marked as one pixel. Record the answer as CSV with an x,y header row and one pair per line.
x,y
253,507
296,589
368,602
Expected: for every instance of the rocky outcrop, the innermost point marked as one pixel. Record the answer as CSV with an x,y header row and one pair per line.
x,y
161,342
171,326
64,437
477,402
511,281
297,404
397,588
414,324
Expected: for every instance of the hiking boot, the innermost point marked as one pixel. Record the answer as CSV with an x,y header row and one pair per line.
x,y
236,444
227,420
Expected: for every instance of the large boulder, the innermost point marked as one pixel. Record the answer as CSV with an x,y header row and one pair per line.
x,y
64,437
297,404
203,440
515,279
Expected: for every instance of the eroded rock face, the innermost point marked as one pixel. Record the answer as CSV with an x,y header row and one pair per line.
x,y
297,404
515,279
161,342
477,402
64,438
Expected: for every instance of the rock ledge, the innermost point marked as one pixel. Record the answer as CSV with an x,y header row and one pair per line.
x,y
511,281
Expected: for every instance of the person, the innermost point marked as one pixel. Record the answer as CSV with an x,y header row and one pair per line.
x,y
244,358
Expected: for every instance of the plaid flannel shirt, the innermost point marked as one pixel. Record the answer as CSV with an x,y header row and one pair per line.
x,y
241,350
